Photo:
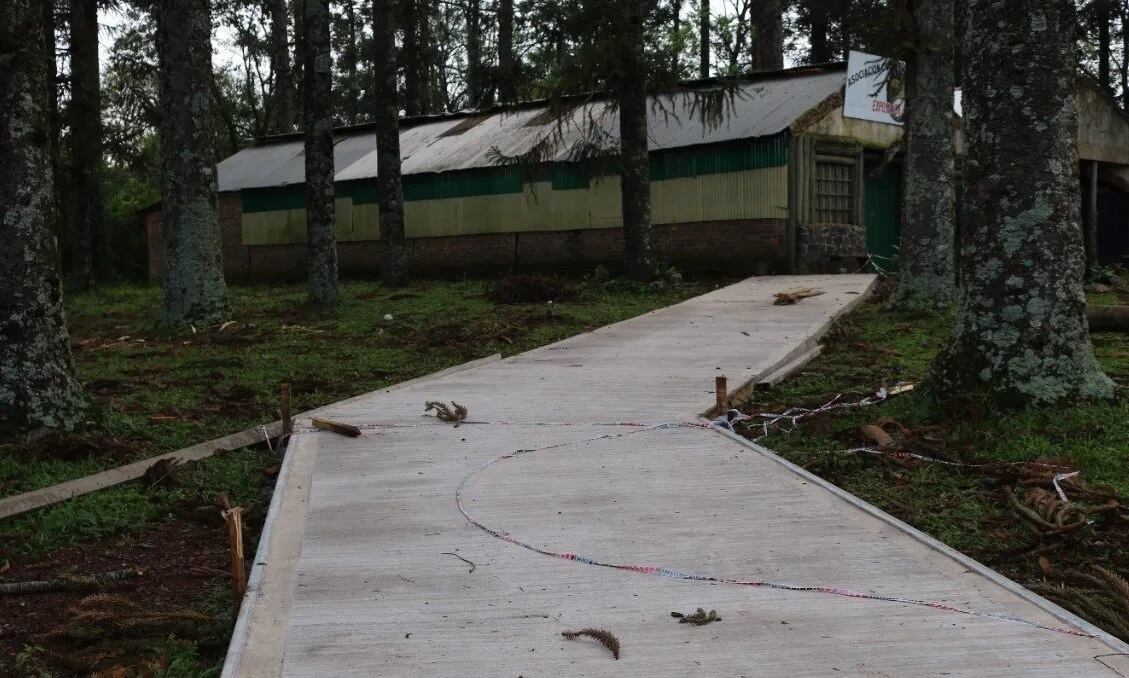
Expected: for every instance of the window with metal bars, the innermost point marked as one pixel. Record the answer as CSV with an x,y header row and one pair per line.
x,y
834,191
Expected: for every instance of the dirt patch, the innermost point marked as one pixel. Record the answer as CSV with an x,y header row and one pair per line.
x,y
180,563
469,338
74,447
526,289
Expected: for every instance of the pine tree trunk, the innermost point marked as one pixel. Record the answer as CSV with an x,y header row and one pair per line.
x,y
410,56
1020,334
475,86
820,49
768,52
194,289
703,38
635,190
1103,14
90,237
429,98
38,387
1125,55
280,66
350,97
53,121
507,68
389,189
321,251
297,72
960,24
846,28
926,275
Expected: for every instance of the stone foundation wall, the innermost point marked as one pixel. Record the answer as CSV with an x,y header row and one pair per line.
x,y
831,248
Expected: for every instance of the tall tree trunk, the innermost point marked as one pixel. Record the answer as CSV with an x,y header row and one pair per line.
x,y
280,66
1103,15
1125,56
820,49
846,27
926,277
960,24
768,50
475,82
297,74
410,56
429,98
38,387
321,251
194,288
703,38
90,236
350,98
443,66
52,77
389,189
1020,334
635,190
507,66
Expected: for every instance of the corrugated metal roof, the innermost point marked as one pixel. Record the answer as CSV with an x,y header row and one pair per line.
x,y
758,109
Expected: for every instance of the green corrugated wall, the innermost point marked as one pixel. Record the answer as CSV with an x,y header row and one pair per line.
x,y
741,180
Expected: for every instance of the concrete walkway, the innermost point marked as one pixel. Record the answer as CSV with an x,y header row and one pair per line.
x,y
352,578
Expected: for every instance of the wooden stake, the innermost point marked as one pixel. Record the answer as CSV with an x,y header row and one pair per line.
x,y
287,425
722,394
336,426
234,518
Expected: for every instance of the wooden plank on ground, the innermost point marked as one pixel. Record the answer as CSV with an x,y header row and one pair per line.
x,y
29,501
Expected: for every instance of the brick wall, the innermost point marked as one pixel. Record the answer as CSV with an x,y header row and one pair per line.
x,y
235,255
737,246
462,253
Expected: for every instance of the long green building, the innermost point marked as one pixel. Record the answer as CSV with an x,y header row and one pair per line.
x,y
774,179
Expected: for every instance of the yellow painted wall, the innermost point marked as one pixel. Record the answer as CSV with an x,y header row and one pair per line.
x,y
750,194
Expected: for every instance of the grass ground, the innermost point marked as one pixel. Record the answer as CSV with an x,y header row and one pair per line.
x,y
1004,513
155,392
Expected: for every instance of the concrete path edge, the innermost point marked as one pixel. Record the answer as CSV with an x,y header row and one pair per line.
x,y
294,475
1056,611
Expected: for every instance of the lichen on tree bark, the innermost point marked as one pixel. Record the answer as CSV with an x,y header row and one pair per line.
x,y
926,276
194,288
37,382
1020,334
321,251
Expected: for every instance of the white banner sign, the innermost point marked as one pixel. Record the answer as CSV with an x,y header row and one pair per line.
x,y
875,89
